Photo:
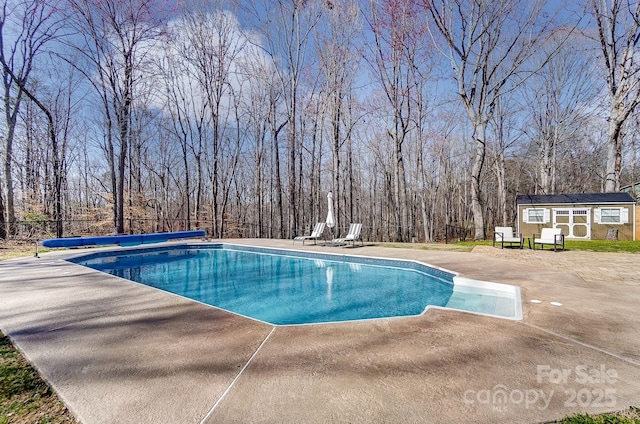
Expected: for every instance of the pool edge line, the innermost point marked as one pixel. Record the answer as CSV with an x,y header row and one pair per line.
x,y
457,279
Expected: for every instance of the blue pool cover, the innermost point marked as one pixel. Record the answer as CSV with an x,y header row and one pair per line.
x,y
122,240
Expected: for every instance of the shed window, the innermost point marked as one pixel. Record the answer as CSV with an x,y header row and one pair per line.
x,y
536,216
611,215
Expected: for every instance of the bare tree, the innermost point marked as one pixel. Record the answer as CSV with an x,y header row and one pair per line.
x,y
214,44
258,111
560,99
339,64
619,32
488,44
46,153
182,118
25,29
287,29
398,35
505,134
57,154
115,38
3,230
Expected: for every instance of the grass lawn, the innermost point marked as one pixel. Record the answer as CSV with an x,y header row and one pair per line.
x,y
24,396
604,245
629,416
588,245
9,250
467,246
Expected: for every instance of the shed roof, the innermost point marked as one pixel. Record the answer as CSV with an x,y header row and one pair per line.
x,y
578,198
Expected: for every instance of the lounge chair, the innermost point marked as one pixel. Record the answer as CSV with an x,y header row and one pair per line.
x,y
504,235
352,236
315,234
551,236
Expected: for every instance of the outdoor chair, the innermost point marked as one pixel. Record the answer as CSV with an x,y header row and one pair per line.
x,y
504,235
315,234
352,236
552,236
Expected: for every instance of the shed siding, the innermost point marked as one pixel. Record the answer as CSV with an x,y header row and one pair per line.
x,y
598,231
637,223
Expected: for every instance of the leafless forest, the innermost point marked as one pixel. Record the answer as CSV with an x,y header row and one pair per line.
x,y
238,118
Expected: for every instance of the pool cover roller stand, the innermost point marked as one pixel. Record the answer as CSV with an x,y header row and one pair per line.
x,y
122,240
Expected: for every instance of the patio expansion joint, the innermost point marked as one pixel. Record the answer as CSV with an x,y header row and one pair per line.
x,y
596,348
237,377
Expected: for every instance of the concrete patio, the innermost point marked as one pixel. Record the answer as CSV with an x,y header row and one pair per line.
x,y
117,351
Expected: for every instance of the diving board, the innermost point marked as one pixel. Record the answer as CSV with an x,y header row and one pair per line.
x,y
122,240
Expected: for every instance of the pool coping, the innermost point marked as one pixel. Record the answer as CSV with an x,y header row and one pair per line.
x,y
120,353
459,283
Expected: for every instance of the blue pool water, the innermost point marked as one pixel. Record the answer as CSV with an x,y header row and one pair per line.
x,y
290,288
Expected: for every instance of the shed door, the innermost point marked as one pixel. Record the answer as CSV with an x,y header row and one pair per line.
x,y
575,223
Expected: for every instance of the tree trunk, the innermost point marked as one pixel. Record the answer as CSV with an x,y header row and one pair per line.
x,y
502,187
278,178
292,136
122,162
619,32
350,180
545,164
187,184
8,161
402,210
215,180
199,183
3,231
477,206
614,154
124,132
423,195
336,160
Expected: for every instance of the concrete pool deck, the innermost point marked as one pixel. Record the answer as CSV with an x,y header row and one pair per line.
x,y
117,351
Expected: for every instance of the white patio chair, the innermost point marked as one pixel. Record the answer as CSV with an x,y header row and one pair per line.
x,y
504,235
315,234
552,236
352,236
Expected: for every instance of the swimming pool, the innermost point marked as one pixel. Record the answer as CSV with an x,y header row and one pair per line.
x,y
288,287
